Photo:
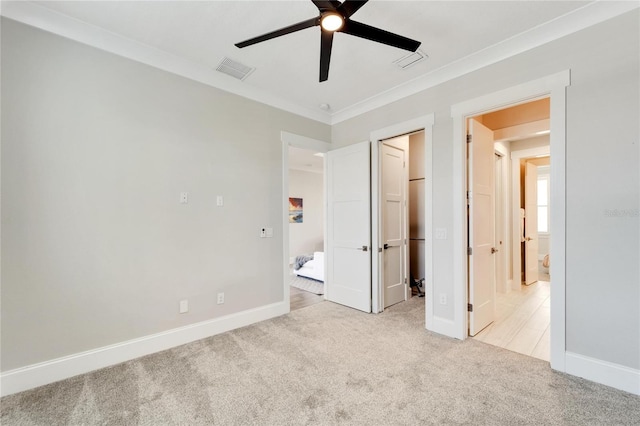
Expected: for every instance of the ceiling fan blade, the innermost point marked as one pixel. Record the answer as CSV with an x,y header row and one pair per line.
x,y
282,31
326,41
381,36
349,7
324,5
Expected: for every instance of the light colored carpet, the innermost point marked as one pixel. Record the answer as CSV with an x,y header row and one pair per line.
x,y
324,365
307,284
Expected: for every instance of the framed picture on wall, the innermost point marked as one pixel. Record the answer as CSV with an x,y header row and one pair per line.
x,y
295,210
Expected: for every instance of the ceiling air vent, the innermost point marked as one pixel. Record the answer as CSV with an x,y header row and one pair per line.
x,y
411,59
234,69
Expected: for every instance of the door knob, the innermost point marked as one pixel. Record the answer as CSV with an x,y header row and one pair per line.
x,y
494,250
528,239
365,248
386,246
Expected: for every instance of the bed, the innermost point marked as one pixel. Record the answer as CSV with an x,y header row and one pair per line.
x,y
314,268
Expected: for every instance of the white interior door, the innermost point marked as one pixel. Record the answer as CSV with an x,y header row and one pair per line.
x,y
348,254
501,279
530,223
393,224
482,285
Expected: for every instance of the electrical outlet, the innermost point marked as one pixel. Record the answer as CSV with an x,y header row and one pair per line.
x,y
441,233
263,232
184,197
269,232
219,201
184,306
220,298
443,298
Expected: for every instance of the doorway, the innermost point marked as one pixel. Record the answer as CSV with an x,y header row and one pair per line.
x,y
554,87
516,316
417,181
306,227
402,188
301,154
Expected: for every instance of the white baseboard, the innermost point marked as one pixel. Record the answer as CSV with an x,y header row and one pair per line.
x,y
603,372
35,375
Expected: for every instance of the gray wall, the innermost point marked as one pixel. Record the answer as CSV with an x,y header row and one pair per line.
x,y
603,276
96,149
308,236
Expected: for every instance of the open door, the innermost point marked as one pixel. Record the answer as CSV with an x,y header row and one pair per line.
x,y
530,223
348,279
482,284
394,212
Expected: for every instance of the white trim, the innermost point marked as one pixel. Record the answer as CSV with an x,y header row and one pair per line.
x,y
516,156
298,141
377,299
74,29
304,142
553,86
607,373
35,375
82,32
579,19
425,123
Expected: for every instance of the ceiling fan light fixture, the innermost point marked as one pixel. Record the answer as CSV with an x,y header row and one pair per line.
x,y
332,21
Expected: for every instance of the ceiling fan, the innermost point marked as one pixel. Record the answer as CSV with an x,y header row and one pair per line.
x,y
335,16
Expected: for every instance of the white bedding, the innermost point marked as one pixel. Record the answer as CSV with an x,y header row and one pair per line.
x,y
313,269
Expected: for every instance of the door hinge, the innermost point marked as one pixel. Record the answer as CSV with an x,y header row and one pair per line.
x,y
469,307
469,137
469,251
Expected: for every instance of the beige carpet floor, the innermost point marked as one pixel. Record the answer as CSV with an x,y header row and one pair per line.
x,y
324,365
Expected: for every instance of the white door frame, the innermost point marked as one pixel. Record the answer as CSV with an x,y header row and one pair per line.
x,y
298,141
553,86
425,123
516,156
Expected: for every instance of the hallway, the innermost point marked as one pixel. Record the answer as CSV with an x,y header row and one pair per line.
x,y
522,321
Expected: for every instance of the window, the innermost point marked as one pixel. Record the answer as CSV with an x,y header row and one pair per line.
x,y
543,204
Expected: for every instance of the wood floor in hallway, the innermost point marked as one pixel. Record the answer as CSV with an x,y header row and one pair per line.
x,y
302,299
522,321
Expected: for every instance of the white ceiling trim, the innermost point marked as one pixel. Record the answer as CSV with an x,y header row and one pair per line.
x,y
74,29
57,23
574,21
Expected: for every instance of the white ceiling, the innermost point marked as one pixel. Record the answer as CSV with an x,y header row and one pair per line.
x,y
305,160
192,37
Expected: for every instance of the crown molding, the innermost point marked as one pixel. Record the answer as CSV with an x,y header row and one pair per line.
x,y
576,20
80,31
74,29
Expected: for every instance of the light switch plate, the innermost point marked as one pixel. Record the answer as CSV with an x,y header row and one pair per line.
x,y
269,232
219,201
184,197
441,233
